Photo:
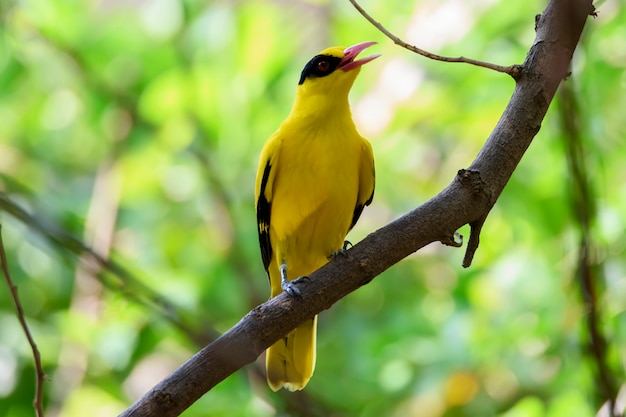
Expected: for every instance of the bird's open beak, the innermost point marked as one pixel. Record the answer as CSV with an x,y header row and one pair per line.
x,y
348,63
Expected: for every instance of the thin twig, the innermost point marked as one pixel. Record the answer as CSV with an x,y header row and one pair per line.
x,y
40,374
512,70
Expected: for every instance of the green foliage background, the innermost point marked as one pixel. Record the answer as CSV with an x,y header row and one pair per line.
x,y
135,126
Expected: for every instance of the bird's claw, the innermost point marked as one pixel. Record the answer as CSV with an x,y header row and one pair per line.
x,y
290,288
343,251
303,278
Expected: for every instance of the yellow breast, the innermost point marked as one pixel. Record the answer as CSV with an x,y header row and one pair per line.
x,y
315,190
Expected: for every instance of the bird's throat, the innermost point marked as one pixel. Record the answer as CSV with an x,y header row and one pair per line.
x,y
321,109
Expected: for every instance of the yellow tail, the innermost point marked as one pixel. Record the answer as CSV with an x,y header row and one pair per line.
x,y
291,360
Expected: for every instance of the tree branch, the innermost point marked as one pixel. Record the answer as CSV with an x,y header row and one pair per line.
x,y
40,375
468,199
589,272
512,70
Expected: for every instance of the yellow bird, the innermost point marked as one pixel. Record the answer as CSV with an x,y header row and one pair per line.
x,y
315,176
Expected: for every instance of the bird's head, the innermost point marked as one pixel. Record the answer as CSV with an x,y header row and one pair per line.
x,y
333,70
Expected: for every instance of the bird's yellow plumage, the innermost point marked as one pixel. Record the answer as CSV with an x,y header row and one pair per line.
x,y
316,173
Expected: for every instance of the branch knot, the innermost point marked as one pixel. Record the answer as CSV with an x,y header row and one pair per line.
x,y
471,178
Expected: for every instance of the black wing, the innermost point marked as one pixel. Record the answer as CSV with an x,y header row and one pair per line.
x,y
263,214
367,180
358,209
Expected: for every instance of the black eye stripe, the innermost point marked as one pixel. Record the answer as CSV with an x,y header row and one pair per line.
x,y
319,66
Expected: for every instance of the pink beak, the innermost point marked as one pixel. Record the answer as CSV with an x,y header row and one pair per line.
x,y
348,63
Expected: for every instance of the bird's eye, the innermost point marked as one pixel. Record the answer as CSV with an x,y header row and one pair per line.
x,y
323,66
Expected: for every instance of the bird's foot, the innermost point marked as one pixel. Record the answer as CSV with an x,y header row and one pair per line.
x,y
290,286
299,280
291,289
343,251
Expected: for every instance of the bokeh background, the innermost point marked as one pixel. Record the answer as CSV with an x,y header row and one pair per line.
x,y
133,127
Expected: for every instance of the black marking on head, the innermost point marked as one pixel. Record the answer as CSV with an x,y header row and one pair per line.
x,y
319,66
263,215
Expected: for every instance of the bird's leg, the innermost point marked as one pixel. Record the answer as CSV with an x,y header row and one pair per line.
x,y
287,286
